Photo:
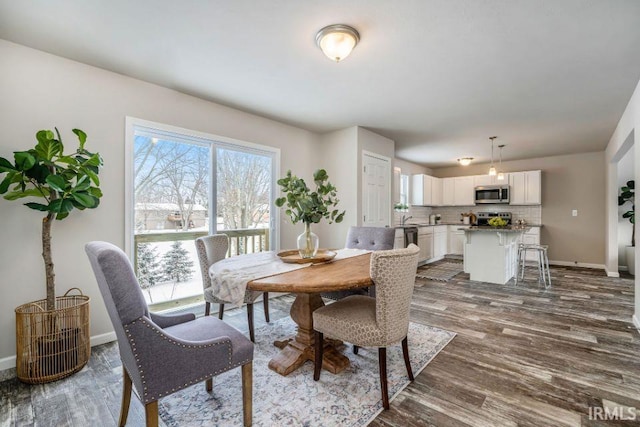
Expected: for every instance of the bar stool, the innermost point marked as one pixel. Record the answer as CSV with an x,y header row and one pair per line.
x,y
544,274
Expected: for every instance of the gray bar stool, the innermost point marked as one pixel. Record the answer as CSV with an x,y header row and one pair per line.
x,y
544,274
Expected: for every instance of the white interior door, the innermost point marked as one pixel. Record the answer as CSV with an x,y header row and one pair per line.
x,y
376,190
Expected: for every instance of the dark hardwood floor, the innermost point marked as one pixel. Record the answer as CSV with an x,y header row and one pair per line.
x,y
523,356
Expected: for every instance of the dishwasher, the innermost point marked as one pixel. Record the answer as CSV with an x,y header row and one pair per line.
x,y
410,236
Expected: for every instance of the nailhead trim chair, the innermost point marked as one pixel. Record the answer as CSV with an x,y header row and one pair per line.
x,y
373,322
163,354
369,238
212,249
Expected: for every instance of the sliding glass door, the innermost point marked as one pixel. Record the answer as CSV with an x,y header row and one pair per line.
x,y
186,186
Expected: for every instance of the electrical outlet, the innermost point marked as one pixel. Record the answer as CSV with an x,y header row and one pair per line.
x,y
574,212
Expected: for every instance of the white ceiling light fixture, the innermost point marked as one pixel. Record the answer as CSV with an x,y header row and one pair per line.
x,y
465,161
337,41
492,169
500,173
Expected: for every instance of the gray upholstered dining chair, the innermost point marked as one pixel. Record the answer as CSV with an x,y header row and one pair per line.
x,y
369,238
373,322
163,354
212,249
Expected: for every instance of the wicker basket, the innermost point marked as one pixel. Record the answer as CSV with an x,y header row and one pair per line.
x,y
52,345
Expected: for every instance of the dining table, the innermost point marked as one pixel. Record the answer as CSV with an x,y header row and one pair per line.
x,y
307,284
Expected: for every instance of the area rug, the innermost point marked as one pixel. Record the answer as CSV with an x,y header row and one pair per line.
x,y
350,398
441,272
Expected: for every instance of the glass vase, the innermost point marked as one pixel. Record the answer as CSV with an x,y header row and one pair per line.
x,y
308,242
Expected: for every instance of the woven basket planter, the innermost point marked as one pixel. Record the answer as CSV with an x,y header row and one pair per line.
x,y
51,345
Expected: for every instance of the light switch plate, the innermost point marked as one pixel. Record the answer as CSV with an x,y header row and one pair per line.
x,y
574,212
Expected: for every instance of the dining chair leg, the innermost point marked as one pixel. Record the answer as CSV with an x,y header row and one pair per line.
x,y
355,349
207,308
265,302
382,361
247,393
221,312
546,258
252,336
151,414
319,338
407,362
126,398
209,384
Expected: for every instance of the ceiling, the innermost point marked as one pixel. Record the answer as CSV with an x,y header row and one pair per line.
x,y
439,77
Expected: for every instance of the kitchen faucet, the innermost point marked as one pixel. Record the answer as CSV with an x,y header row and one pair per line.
x,y
404,219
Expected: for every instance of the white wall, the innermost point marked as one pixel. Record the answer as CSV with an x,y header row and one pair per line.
x,y
337,153
625,136
40,91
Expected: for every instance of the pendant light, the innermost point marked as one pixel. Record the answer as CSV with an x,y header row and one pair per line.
x,y
492,169
500,173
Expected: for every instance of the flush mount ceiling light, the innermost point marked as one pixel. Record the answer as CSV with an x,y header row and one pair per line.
x,y
465,161
337,41
500,174
492,169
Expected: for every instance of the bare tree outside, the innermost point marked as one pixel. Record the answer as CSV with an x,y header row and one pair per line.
x,y
244,188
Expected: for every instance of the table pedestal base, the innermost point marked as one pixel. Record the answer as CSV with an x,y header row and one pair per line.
x,y
295,351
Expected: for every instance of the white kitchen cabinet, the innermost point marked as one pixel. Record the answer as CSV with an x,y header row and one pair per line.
x,y
448,191
425,243
463,191
484,180
397,179
436,191
440,237
456,239
525,188
426,190
398,243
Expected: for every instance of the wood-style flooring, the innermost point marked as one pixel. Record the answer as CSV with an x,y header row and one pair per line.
x,y
523,356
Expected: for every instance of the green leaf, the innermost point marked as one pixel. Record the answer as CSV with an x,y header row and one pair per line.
x,y
631,184
44,135
84,199
82,137
95,192
24,160
39,173
48,149
94,160
31,192
5,165
92,175
62,215
83,183
37,206
57,182
67,160
6,182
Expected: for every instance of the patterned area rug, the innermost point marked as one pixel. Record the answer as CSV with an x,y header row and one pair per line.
x,y
441,272
351,398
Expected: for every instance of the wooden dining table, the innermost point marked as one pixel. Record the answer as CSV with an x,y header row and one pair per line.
x,y
306,284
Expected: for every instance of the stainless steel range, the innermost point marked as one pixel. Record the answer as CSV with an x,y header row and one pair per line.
x,y
484,217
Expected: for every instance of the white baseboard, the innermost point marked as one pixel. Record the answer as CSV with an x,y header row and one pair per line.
x,y
636,322
611,273
578,264
623,268
10,362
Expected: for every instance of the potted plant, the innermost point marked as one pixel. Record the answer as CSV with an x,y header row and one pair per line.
x,y
53,334
627,195
304,205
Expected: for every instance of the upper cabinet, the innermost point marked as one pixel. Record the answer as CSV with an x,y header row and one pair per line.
x,y
525,188
459,191
426,190
483,180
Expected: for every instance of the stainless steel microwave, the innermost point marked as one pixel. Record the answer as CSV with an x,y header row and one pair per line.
x,y
492,194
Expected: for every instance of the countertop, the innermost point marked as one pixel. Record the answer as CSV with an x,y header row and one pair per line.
x,y
456,223
507,229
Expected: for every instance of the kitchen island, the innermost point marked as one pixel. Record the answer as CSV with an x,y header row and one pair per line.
x,y
490,254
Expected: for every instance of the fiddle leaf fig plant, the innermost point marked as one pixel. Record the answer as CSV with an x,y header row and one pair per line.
x,y
62,182
627,194
304,205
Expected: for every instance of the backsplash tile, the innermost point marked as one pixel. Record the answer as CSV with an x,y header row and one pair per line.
x,y
531,214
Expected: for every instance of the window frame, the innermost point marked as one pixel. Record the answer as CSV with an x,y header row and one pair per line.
x,y
215,141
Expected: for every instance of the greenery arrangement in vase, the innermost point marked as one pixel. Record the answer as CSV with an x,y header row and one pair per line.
x,y
63,181
497,222
304,205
